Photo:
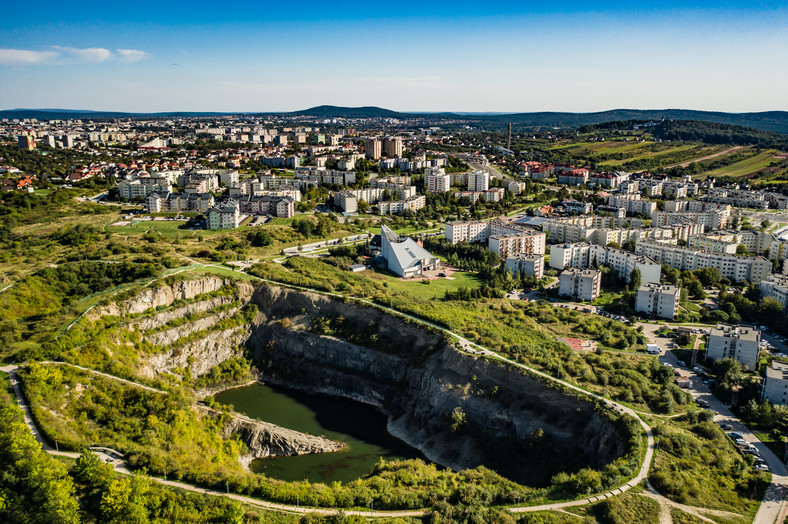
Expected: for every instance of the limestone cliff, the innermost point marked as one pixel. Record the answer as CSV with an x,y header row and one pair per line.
x,y
459,410
266,440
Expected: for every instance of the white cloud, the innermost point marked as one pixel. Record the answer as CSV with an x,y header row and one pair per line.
x,y
21,57
59,55
92,55
131,55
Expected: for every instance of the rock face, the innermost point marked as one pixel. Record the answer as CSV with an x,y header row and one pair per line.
x,y
159,294
460,411
266,440
200,355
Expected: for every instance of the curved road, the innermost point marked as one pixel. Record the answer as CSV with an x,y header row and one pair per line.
x,y
771,507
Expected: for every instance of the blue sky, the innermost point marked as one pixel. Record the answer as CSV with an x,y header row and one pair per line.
x,y
409,56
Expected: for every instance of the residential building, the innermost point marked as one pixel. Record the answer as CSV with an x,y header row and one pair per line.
x,y
659,300
776,287
633,204
478,181
373,149
398,207
436,180
224,216
526,265
740,343
775,385
584,255
27,142
392,145
528,242
581,284
404,256
575,206
736,268
712,220
573,177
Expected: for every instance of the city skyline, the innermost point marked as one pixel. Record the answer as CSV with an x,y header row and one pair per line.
x,y
405,57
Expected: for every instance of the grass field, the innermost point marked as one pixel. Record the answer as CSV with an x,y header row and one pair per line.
x,y
435,288
166,228
655,155
748,166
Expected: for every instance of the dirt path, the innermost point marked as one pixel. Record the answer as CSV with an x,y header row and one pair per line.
x,y
709,157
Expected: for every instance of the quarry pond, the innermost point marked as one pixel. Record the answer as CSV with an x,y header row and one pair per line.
x,y
361,427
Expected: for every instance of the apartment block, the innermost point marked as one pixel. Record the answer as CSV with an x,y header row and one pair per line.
x,y
585,255
736,268
527,242
436,180
527,265
581,284
633,204
775,385
392,145
776,287
373,149
478,181
659,300
740,343
712,220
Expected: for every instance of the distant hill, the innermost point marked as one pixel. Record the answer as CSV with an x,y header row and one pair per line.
x,y
774,121
696,130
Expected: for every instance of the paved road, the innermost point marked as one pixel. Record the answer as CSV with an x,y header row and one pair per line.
x,y
774,506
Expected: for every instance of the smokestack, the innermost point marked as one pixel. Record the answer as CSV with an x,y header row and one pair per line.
x,y
509,141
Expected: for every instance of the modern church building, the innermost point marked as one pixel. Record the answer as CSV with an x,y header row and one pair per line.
x,y
404,256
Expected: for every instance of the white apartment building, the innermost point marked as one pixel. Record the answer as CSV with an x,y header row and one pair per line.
x,y
476,231
715,219
581,284
775,385
584,255
397,207
436,180
632,203
528,265
776,287
740,343
659,300
529,242
738,269
478,181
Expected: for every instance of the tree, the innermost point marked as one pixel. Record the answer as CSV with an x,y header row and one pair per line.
x,y
634,280
729,373
741,249
363,206
670,274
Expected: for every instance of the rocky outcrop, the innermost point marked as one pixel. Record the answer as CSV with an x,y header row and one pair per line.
x,y
160,294
200,355
459,410
266,440
162,317
171,336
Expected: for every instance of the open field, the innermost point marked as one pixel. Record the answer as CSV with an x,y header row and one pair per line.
x,y
748,166
655,155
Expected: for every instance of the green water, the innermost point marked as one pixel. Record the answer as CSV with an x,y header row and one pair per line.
x,y
361,427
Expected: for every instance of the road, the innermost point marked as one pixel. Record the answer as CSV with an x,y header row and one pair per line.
x,y
774,507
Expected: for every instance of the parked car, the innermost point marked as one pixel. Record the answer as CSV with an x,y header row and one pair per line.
x,y
726,427
681,363
702,403
762,467
741,443
734,435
